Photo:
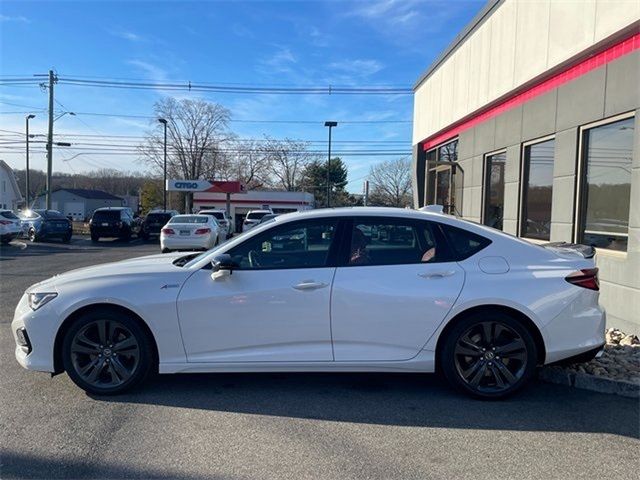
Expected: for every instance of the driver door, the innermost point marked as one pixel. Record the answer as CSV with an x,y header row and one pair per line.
x,y
274,307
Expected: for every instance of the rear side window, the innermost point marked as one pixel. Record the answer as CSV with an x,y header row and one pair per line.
x,y
390,241
463,243
10,215
53,214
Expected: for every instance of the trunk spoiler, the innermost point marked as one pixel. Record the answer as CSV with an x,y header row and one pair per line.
x,y
587,251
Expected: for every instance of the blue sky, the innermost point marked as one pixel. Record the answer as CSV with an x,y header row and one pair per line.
x,y
293,43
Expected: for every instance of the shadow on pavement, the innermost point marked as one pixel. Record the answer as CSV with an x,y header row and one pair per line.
x,y
417,400
25,465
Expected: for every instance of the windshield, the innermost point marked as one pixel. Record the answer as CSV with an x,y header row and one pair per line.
x,y
218,215
188,219
106,215
10,215
52,214
256,215
158,217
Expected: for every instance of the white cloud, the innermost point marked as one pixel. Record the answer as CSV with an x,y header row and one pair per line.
x,y
279,62
16,18
153,71
127,35
358,67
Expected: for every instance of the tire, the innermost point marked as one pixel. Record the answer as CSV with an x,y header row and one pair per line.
x,y
488,355
109,370
95,238
33,236
165,250
66,239
145,237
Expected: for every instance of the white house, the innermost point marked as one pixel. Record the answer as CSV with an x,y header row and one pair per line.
x,y
10,196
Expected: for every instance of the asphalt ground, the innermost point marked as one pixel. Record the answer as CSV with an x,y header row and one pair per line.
x,y
289,426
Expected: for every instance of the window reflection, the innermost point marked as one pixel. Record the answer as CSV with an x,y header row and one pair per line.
x,y
537,191
606,184
494,190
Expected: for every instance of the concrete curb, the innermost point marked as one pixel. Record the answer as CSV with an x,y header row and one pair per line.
x,y
586,381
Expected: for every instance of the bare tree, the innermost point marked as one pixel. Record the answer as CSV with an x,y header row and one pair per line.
x,y
197,132
390,183
286,159
249,164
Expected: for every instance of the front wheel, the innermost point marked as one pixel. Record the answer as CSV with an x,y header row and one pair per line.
x,y
489,355
106,352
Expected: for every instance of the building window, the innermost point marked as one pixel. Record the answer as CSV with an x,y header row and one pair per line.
x,y
537,190
494,189
444,179
605,185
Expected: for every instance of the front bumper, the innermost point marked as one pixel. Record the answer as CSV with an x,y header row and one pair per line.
x,y
40,330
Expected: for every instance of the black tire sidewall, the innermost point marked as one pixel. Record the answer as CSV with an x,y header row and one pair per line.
x,y
447,361
144,345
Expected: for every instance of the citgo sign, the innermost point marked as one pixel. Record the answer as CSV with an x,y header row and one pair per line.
x,y
188,185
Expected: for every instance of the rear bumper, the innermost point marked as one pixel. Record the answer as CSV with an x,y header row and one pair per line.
x,y
107,232
578,330
584,356
177,243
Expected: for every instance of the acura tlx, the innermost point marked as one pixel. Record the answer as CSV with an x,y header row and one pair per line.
x,y
355,289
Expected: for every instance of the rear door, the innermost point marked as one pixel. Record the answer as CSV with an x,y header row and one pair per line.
x,y
397,283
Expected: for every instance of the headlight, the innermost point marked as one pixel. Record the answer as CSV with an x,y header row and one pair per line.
x,y
37,300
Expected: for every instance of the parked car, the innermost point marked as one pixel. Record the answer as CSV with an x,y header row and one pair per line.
x,y
253,218
267,217
483,307
43,224
10,226
189,232
113,222
224,221
154,221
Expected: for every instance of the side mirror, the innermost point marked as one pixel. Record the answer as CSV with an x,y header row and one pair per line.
x,y
222,266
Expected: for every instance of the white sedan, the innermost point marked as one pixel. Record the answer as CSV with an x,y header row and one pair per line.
x,y
361,289
189,232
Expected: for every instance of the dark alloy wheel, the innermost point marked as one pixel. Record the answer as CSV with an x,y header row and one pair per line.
x,y
33,237
489,355
106,352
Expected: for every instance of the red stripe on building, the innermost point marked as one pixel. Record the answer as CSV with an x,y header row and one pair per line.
x,y
261,202
571,73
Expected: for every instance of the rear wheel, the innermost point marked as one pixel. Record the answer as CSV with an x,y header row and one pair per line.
x,y
106,352
94,238
489,355
33,236
66,238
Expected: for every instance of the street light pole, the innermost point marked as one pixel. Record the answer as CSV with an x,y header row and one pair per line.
x,y
330,125
164,183
26,186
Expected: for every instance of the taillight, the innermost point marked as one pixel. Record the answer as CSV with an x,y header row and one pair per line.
x,y
586,278
202,231
168,231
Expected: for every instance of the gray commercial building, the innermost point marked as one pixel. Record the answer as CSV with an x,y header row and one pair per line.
x,y
79,203
529,123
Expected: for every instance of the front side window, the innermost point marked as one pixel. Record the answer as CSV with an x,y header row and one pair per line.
x,y
384,241
494,190
303,244
537,176
606,185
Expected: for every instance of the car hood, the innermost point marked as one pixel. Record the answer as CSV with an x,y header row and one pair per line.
x,y
140,266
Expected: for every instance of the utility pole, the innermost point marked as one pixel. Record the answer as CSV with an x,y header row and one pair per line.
x,y
52,80
330,125
164,182
366,192
26,194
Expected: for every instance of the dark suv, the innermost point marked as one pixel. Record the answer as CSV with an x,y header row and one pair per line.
x,y
154,221
113,222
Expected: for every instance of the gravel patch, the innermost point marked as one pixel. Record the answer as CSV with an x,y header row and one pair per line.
x,y
617,371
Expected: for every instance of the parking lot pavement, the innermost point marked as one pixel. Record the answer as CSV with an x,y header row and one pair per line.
x,y
297,426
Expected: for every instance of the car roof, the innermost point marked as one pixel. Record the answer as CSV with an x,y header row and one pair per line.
x,y
258,210
105,209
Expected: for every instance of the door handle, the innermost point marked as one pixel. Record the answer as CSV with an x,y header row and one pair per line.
x,y
309,285
442,274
